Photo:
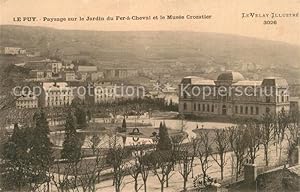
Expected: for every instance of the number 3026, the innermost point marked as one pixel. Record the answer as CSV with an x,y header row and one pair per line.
x,y
270,22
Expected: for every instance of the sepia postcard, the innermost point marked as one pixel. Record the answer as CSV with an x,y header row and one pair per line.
x,y
146,96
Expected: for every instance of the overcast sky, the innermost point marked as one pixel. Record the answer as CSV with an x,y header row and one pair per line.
x,y
226,15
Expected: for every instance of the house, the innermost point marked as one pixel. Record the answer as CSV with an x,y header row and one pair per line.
x,y
56,66
84,72
70,75
57,94
104,92
29,101
41,74
86,68
12,51
119,73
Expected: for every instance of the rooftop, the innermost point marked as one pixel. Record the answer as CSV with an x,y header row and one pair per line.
x,y
274,81
230,76
194,80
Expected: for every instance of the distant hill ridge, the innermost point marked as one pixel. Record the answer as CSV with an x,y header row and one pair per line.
x,y
149,48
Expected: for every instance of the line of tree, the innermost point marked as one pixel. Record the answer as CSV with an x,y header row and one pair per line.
x,y
30,165
27,156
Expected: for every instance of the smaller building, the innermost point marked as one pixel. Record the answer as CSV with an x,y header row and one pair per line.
x,y
56,67
57,94
104,92
56,121
12,51
70,75
28,102
84,72
86,68
40,74
119,73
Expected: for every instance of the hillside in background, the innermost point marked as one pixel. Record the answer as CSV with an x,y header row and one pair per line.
x,y
190,51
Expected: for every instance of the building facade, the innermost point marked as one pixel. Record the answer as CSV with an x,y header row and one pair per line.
x,y
28,102
12,51
57,94
104,92
231,95
70,75
119,73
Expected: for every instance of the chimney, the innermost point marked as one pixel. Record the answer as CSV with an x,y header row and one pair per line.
x,y
250,173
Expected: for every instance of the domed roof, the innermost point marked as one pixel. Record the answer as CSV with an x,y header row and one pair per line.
x,y
231,76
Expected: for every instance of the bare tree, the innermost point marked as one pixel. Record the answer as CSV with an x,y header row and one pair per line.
x,y
144,165
222,145
184,163
135,167
283,121
194,143
116,157
238,146
204,151
161,166
268,124
61,175
90,170
253,138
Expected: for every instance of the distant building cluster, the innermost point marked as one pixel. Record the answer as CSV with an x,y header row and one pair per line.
x,y
62,81
12,51
232,95
59,94
119,73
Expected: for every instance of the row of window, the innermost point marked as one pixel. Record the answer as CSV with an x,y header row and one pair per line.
x,y
246,110
26,102
104,96
58,92
283,99
105,91
58,103
27,106
58,98
238,109
204,107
